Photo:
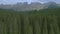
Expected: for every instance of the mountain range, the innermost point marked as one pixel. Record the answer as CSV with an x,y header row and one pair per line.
x,y
26,7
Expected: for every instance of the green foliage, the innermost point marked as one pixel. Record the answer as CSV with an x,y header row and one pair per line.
x,y
46,21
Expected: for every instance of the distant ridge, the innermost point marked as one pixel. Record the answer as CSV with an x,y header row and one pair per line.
x,y
33,6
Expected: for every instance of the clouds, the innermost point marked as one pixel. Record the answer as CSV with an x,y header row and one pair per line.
x,y
57,1
48,0
15,1
29,1
8,1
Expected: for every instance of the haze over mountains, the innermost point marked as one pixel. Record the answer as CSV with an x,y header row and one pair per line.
x,y
25,6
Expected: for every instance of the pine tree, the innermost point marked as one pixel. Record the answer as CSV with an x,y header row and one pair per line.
x,y
15,26
51,29
55,24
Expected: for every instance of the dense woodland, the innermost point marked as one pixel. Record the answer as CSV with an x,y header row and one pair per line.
x,y
46,21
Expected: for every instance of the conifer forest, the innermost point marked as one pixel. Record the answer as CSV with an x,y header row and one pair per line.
x,y
46,21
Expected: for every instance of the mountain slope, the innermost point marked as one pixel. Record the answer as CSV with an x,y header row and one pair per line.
x,y
33,6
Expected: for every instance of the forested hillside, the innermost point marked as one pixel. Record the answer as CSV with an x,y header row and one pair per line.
x,y
46,21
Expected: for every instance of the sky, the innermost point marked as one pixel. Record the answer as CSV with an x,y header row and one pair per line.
x,y
29,1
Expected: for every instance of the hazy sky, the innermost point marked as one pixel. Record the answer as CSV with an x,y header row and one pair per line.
x,y
15,1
